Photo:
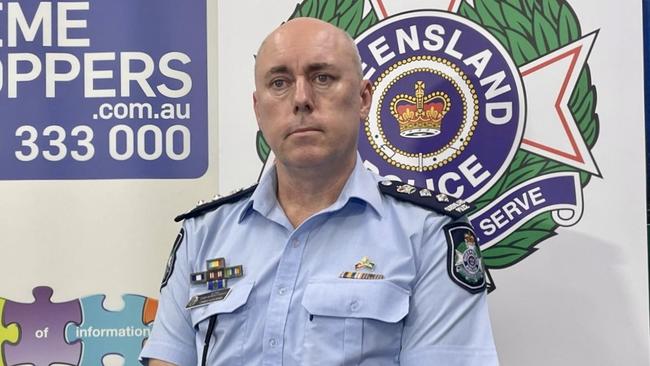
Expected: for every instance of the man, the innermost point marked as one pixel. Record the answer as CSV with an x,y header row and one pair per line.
x,y
318,264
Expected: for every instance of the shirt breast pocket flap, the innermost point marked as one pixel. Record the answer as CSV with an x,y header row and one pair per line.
x,y
365,299
237,297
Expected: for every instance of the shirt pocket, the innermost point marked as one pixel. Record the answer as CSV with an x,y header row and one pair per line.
x,y
226,344
353,321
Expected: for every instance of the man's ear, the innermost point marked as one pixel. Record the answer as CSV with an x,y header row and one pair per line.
x,y
257,115
366,98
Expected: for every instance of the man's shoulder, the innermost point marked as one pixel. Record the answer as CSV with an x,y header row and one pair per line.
x,y
423,197
204,207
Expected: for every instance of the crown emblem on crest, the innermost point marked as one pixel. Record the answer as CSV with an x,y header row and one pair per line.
x,y
420,115
470,239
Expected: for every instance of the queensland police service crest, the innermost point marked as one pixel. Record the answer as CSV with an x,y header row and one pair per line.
x,y
488,101
442,87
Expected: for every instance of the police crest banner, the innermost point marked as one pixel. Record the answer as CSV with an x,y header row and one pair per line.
x,y
511,105
119,115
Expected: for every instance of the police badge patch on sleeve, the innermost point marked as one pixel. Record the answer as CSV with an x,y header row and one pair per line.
x,y
464,261
172,258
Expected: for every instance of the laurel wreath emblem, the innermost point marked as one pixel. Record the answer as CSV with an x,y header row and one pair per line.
x,y
528,29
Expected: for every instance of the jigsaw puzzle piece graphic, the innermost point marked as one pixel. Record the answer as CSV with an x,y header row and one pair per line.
x,y
150,308
42,324
8,333
149,313
104,332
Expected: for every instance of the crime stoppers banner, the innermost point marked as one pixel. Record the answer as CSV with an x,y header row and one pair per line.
x,y
103,137
103,90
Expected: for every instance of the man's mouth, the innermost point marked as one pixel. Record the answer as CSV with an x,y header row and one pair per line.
x,y
304,131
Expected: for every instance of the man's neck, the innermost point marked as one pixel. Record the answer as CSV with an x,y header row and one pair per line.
x,y
303,192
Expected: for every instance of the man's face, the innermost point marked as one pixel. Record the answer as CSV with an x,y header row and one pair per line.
x,y
309,97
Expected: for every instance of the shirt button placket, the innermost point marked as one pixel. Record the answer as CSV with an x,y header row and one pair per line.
x,y
279,301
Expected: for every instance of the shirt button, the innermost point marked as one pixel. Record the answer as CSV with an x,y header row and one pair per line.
x,y
354,305
282,290
273,342
295,243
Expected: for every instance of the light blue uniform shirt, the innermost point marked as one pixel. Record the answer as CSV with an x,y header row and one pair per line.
x,y
291,307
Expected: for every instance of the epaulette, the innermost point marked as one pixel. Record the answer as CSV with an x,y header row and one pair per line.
x,y
203,207
439,202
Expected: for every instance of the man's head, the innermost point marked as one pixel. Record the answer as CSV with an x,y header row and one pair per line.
x,y
310,96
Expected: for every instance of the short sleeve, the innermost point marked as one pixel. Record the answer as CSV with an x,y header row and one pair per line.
x,y
447,324
172,337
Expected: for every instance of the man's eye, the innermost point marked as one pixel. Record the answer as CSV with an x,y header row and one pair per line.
x,y
323,78
278,84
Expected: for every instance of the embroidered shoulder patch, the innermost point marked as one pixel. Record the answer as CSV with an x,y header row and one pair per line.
x,y
172,258
203,207
439,202
464,261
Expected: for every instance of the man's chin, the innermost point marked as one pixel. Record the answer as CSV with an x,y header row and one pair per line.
x,y
311,160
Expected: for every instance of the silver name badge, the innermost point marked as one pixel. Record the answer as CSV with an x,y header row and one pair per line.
x,y
207,298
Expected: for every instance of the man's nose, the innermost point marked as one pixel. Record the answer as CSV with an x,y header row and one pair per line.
x,y
303,98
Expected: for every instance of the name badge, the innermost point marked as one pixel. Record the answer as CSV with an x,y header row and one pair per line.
x,y
207,298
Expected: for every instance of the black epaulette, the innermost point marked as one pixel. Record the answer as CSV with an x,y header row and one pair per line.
x,y
439,202
204,207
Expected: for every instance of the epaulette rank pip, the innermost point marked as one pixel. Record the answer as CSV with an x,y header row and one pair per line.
x,y
203,207
439,202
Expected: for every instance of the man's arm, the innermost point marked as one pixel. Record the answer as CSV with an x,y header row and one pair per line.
x,y
172,335
446,324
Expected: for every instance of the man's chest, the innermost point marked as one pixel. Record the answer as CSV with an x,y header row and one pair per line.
x,y
342,283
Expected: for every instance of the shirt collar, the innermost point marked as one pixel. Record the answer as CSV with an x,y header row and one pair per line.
x,y
361,185
263,199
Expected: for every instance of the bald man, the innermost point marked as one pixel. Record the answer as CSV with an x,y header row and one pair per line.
x,y
321,262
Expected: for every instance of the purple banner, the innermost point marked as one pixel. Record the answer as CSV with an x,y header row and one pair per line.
x,y
103,89
558,192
